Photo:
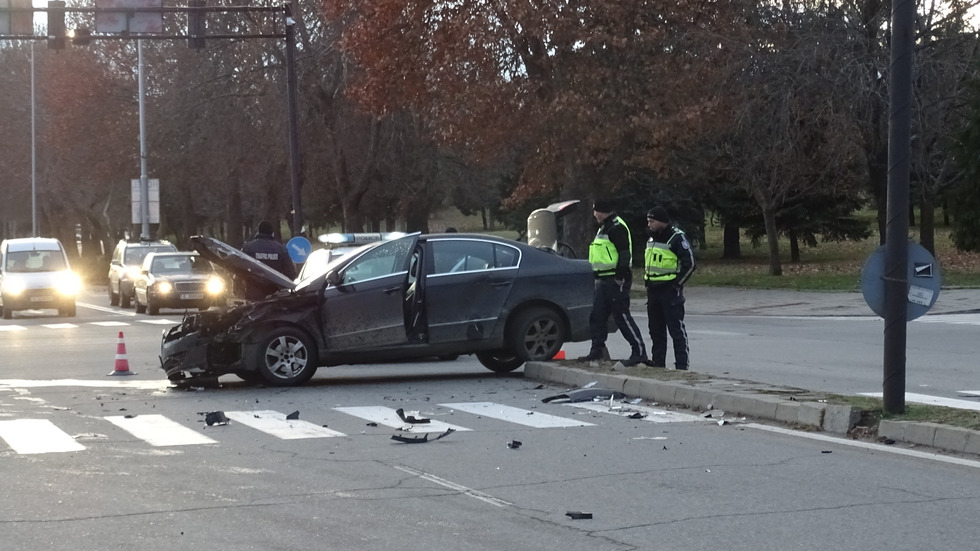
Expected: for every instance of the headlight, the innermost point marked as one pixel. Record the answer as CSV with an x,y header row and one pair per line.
x,y
215,286
13,287
164,287
68,284
132,272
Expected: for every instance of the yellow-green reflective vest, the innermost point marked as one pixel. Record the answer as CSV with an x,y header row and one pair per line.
x,y
603,254
660,263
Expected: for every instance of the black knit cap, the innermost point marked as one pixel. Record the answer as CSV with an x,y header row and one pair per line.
x,y
659,214
265,227
602,206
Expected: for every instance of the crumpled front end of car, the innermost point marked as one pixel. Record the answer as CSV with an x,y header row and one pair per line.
x,y
204,345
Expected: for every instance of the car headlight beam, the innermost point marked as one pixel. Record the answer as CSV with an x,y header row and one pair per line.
x,y
215,286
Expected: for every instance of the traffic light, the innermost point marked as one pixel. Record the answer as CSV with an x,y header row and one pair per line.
x,y
196,24
56,24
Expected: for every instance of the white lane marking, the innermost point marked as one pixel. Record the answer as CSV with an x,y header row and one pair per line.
x,y
652,414
4,328
389,418
931,400
29,436
453,486
956,319
59,325
111,323
108,383
276,424
157,430
519,416
159,321
108,310
866,445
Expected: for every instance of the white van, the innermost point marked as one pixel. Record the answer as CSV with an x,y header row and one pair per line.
x,y
34,274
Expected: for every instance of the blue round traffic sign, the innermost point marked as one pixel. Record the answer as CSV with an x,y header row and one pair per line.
x,y
923,280
299,249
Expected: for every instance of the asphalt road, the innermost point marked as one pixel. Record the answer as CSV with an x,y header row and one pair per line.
x,y
139,467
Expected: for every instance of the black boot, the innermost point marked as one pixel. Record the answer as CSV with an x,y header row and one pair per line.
x,y
594,355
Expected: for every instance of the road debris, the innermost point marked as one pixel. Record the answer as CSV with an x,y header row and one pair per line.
x,y
412,417
420,439
214,417
293,416
514,444
578,515
585,395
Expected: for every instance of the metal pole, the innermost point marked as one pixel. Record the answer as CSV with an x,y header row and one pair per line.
x,y
33,154
295,175
897,225
144,182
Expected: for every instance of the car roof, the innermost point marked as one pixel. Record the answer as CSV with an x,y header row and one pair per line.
x,y
156,243
32,244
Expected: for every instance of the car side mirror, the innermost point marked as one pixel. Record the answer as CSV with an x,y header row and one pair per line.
x,y
333,278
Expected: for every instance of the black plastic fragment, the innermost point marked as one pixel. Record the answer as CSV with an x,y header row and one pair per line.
x,y
293,416
578,515
410,418
514,444
215,418
420,439
585,395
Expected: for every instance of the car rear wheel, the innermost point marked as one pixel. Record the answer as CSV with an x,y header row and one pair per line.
x,y
286,357
124,299
140,307
537,334
151,308
499,361
113,297
7,313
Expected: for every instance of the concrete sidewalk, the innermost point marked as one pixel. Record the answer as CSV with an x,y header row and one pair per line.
x,y
791,406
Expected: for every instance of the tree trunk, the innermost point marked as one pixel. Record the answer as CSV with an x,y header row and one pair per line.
x,y
794,247
775,268
927,226
731,246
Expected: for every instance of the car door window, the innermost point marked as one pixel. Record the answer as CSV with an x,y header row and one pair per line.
x,y
460,256
384,260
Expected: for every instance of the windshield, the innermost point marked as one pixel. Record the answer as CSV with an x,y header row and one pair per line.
x,y
135,255
34,261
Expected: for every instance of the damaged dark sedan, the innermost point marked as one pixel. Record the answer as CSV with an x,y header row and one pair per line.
x,y
418,296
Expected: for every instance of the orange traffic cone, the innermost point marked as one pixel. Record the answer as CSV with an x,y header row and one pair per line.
x,y
122,364
560,355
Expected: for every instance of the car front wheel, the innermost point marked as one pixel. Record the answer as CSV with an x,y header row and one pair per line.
x,y
537,334
499,361
286,357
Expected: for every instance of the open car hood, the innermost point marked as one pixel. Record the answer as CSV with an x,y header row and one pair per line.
x,y
239,263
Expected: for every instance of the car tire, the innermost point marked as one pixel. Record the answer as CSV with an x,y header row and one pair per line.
x,y
499,361
286,357
140,308
124,299
151,308
7,314
68,311
536,334
113,297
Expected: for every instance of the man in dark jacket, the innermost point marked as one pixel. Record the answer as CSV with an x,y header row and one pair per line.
x,y
611,254
265,248
668,264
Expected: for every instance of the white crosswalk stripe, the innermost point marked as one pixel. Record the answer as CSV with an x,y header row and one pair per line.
x,y
276,424
157,430
519,416
28,436
389,418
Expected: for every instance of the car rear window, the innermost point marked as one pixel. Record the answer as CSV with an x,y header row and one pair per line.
x,y
135,255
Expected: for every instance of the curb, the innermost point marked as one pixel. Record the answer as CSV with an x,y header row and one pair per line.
x,y
705,395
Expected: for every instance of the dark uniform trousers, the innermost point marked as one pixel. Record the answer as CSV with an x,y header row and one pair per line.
x,y
665,310
612,299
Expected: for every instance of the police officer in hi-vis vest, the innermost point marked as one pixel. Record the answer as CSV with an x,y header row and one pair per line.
x,y
611,254
668,264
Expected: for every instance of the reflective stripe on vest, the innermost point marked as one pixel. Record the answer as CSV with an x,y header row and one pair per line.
x,y
660,263
603,255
